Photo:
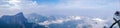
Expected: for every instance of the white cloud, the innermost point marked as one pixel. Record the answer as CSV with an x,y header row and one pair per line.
x,y
85,4
60,20
46,23
86,22
71,7
98,19
11,7
93,23
75,17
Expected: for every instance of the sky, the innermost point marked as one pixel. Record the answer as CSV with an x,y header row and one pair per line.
x,y
90,8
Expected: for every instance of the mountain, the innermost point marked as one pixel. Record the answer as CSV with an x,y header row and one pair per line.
x,y
34,18
17,21
63,21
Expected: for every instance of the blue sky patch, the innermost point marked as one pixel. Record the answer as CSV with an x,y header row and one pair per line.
x,y
47,1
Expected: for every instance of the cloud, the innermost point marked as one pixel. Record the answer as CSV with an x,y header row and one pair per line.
x,y
46,23
60,20
11,7
82,22
85,4
63,7
81,7
98,19
93,23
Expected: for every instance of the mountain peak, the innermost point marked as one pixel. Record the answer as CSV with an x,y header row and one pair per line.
x,y
17,21
21,13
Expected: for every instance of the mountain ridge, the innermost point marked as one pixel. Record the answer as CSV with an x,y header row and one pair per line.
x,y
17,21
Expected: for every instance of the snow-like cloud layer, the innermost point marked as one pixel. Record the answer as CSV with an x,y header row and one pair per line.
x,y
86,22
60,20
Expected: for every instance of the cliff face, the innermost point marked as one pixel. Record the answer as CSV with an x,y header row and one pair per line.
x,y
17,21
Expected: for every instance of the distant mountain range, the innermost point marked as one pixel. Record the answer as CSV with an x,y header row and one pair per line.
x,y
54,21
17,21
36,18
62,21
